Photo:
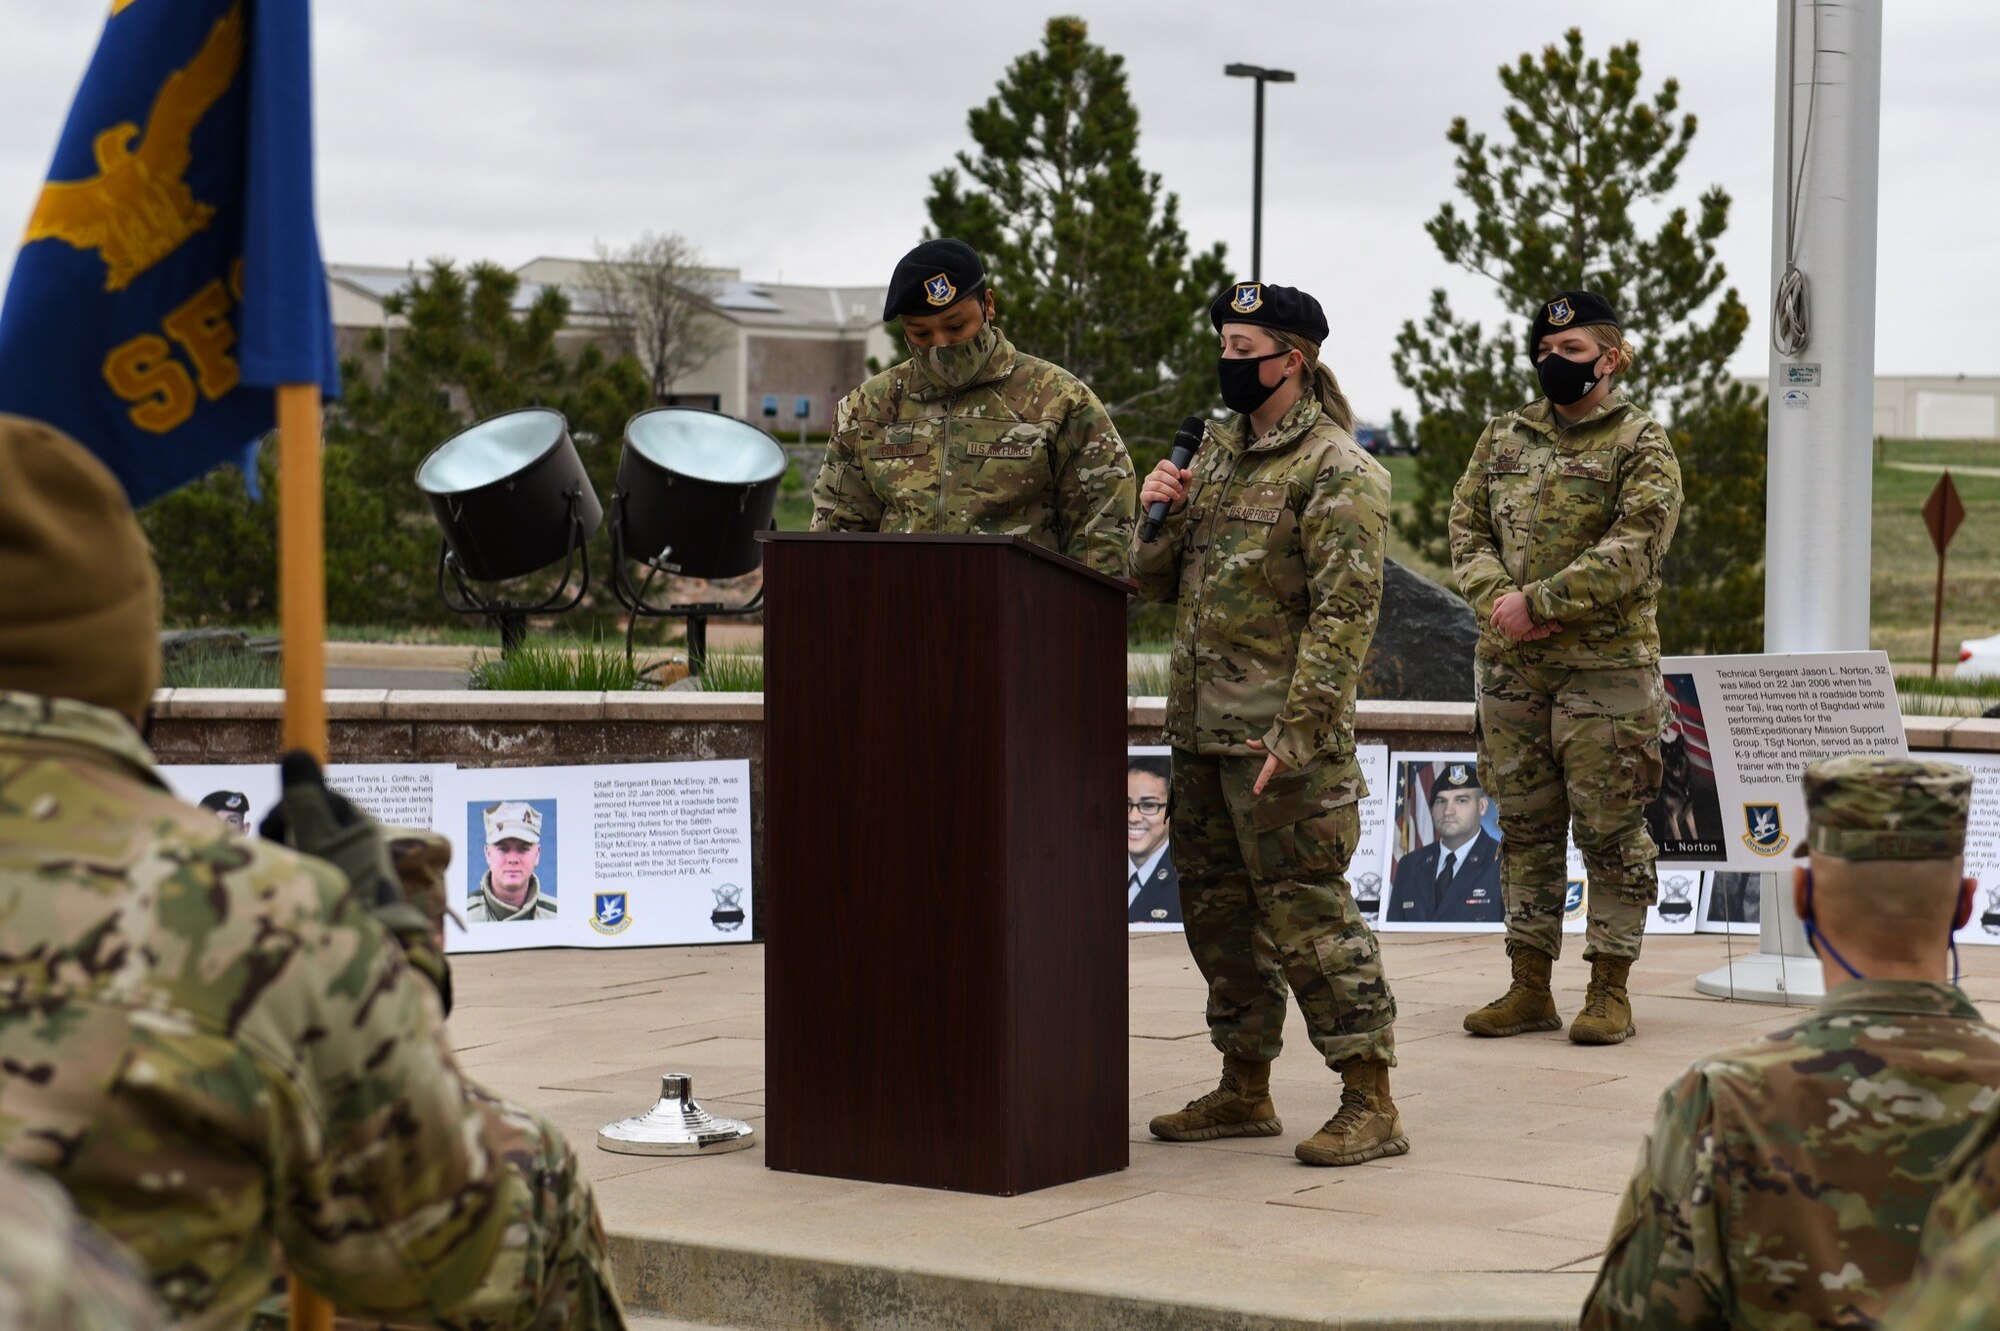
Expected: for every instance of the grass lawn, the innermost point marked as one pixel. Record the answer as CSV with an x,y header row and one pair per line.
x,y
1904,573
1904,566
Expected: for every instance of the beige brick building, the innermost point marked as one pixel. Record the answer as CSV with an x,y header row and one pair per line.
x,y
783,345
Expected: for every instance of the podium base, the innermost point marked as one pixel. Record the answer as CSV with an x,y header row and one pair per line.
x,y
1766,977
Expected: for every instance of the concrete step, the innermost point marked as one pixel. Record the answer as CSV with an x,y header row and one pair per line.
x,y
768,1290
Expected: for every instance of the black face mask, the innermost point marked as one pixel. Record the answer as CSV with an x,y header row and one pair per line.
x,y
1565,380
1241,390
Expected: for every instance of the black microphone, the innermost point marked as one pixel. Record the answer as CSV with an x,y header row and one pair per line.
x,y
1185,443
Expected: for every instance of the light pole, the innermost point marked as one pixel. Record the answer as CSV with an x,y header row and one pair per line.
x,y
1263,76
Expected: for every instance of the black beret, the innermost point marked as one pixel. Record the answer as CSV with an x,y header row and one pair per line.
x,y
932,276
1568,309
1286,308
1458,776
226,801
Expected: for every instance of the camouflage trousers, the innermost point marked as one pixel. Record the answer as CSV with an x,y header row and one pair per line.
x,y
1561,748
551,1273
1266,902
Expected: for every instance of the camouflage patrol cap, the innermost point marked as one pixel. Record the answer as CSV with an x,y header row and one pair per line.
x,y
79,596
1866,808
513,820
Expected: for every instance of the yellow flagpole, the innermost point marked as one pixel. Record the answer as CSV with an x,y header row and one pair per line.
x,y
302,628
302,568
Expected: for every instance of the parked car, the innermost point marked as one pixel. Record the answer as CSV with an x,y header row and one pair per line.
x,y
1374,438
1979,658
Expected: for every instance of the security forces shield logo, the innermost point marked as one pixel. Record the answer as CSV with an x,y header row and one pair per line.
x,y
1457,774
609,915
939,291
728,913
1674,892
1368,892
1766,834
1249,297
170,276
1560,313
1989,919
1573,899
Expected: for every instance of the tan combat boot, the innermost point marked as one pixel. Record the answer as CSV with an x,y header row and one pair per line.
x,y
1239,1107
1367,1126
1527,1005
1607,1010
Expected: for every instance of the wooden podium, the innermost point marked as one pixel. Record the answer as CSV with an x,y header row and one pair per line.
x,y
945,948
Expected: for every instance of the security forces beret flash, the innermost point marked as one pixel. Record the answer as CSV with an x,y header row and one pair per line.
x,y
933,276
1286,308
1860,807
226,801
1458,776
1569,309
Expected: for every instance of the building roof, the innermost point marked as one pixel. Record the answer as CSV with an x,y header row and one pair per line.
x,y
752,304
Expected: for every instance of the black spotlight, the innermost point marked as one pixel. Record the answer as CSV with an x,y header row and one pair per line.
x,y
694,489
512,498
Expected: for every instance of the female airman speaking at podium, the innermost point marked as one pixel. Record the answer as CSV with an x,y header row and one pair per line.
x,y
1272,555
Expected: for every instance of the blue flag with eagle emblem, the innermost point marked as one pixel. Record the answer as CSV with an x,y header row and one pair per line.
x,y
170,276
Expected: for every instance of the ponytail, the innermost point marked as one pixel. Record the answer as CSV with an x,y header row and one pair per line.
x,y
1324,386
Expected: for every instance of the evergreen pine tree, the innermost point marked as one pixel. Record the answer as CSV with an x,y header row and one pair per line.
x,y
1090,265
1579,195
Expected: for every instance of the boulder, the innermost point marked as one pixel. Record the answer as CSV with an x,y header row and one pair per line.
x,y
1423,645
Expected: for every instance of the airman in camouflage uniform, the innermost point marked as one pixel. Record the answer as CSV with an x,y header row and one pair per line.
x,y
1274,565
971,435
223,1049
1955,1289
1558,530
59,1272
1785,1181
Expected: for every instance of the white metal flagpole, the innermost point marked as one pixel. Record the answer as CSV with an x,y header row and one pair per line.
x,y
1822,387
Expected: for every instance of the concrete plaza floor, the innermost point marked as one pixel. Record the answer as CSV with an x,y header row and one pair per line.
x,y
1496,1217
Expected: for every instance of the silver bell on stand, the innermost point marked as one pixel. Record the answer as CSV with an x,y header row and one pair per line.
x,y
675,1126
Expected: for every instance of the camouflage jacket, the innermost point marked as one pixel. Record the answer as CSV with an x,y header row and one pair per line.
x,y
1971,1190
1275,569
1955,1290
207,1040
59,1272
1024,450
1785,1181
485,908
1578,517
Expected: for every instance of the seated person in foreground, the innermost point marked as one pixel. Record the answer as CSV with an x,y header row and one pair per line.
x,y
59,1272
227,1051
1786,1180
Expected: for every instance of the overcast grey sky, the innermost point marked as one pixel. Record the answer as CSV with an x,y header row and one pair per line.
x,y
794,138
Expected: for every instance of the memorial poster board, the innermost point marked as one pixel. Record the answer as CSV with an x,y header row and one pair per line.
x,y
1152,882
621,855
1982,844
1440,810
1742,730
1731,902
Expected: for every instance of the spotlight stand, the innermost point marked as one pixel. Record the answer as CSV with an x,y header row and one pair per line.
x,y
511,617
697,613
